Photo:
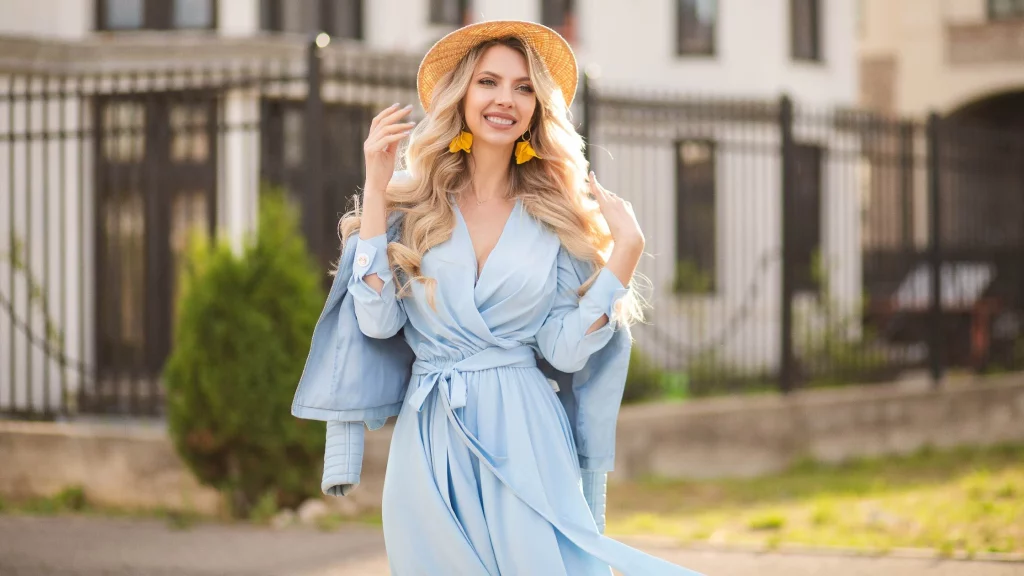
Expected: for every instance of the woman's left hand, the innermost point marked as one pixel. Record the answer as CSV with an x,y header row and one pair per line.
x,y
622,224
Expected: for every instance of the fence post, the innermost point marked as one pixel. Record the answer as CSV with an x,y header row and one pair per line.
x,y
907,167
313,205
788,169
935,332
585,96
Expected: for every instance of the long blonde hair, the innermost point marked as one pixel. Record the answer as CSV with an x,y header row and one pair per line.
x,y
553,189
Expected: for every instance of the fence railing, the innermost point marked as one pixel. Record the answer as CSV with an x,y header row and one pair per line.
x,y
791,246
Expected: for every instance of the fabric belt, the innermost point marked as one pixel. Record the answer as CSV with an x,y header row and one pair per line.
x,y
449,380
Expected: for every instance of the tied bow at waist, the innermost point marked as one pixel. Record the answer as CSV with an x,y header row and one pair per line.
x,y
449,379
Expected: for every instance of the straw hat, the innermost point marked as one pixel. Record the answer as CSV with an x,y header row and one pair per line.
x,y
553,50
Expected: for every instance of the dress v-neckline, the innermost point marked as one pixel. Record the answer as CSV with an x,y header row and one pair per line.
x,y
478,271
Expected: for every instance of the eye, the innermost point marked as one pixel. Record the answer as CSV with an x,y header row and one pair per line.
x,y
487,82
526,88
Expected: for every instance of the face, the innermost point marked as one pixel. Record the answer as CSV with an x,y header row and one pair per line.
x,y
500,101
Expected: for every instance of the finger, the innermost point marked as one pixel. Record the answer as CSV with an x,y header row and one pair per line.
x,y
394,128
596,189
394,116
375,140
382,114
385,142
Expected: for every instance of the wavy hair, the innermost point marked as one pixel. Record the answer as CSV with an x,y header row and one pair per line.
x,y
553,190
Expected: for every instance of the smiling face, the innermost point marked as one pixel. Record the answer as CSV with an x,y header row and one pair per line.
x,y
500,101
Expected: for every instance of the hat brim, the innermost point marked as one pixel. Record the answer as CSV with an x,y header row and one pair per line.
x,y
443,56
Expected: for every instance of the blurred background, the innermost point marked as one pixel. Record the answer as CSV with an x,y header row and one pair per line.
x,y
832,193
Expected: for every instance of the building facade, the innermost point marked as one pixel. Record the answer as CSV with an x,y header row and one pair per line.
x,y
131,122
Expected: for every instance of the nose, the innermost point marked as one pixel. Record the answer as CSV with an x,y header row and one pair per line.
x,y
504,98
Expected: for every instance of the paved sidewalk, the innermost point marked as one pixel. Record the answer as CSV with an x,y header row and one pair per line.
x,y
66,546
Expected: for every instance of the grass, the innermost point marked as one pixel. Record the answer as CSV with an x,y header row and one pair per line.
x,y
961,501
957,501
72,500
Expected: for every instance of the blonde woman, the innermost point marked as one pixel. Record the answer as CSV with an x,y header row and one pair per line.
x,y
507,259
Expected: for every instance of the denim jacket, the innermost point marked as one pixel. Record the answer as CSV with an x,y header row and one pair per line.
x,y
350,378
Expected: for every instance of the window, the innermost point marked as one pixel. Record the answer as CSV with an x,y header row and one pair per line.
x,y
560,15
339,18
449,12
1005,9
156,15
695,217
695,27
804,221
805,29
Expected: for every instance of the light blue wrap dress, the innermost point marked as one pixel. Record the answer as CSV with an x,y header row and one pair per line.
x,y
483,476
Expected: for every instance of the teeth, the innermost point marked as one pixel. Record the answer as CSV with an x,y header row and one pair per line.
x,y
500,120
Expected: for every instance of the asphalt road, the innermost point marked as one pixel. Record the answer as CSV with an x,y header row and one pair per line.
x,y
80,546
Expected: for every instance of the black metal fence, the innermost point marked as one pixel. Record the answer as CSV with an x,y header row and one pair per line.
x,y
791,246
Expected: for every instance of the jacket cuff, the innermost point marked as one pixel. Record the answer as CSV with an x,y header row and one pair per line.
x,y
343,457
371,258
595,490
603,297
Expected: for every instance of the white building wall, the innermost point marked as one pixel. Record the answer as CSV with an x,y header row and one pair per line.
x,y
916,35
629,44
47,208
57,19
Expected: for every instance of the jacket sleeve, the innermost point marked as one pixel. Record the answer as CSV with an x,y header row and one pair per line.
x,y
378,315
595,490
563,338
343,457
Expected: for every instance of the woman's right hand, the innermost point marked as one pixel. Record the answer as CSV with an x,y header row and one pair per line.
x,y
381,146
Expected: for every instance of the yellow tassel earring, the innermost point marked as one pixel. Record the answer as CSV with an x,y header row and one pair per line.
x,y
464,141
524,151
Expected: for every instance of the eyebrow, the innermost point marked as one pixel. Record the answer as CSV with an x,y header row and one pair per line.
x,y
498,76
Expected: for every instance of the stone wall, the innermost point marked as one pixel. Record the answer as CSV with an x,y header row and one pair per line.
x,y
749,436
127,465
135,466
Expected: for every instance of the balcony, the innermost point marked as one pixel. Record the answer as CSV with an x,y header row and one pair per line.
x,y
999,42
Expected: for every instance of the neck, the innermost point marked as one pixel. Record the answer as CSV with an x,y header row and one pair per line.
x,y
488,169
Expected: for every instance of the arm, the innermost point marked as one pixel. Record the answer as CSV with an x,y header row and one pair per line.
x,y
575,327
379,312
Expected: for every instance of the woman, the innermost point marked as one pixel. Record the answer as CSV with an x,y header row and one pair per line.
x,y
483,476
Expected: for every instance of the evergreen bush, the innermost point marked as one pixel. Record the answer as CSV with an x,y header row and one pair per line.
x,y
242,333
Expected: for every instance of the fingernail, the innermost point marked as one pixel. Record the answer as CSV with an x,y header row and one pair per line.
x,y
408,107
395,104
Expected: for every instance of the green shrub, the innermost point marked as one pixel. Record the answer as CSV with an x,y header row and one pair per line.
x,y
70,498
643,380
242,333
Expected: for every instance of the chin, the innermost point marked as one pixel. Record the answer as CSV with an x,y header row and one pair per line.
x,y
495,140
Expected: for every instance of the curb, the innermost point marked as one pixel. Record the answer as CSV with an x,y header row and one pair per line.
x,y
665,542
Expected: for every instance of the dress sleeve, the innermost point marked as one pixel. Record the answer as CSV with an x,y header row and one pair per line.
x,y
379,315
562,338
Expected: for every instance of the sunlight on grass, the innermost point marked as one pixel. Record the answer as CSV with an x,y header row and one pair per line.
x,y
958,501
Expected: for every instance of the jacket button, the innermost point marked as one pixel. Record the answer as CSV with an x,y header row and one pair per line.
x,y
362,259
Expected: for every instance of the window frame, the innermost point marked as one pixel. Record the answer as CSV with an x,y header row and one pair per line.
x,y
567,26
271,17
435,9
816,38
157,15
685,249
1015,15
712,48
808,205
